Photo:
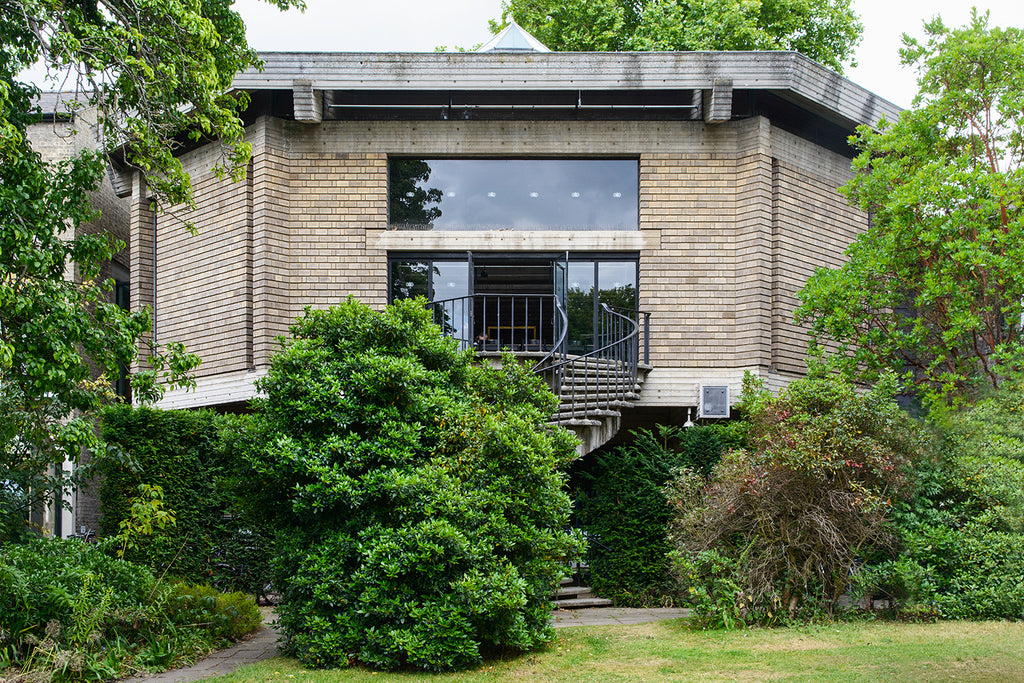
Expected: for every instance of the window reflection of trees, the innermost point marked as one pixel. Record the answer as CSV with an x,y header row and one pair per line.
x,y
410,279
623,297
580,312
409,202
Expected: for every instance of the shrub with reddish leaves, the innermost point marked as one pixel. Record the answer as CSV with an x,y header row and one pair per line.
x,y
794,512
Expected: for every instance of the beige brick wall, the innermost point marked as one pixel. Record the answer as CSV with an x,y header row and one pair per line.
x,y
688,283
733,219
335,198
60,140
813,226
271,240
203,279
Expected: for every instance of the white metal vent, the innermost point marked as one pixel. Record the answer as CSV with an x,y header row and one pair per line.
x,y
714,401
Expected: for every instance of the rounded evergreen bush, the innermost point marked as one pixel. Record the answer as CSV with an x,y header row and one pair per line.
x,y
417,497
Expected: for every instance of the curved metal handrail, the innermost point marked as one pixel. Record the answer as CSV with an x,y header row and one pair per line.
x,y
601,379
558,346
608,374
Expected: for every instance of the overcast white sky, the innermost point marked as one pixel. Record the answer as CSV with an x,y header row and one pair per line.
x,y
421,25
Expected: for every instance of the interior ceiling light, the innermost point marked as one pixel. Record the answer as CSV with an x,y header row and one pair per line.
x,y
616,194
492,194
535,194
575,194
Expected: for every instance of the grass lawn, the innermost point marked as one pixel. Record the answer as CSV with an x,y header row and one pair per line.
x,y
671,651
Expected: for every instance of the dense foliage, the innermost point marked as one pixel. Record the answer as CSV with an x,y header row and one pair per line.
x,y
156,71
71,612
824,30
625,512
961,550
935,283
780,527
417,497
56,335
195,458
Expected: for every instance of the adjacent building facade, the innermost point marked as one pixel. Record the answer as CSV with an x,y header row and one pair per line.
x,y
64,130
699,188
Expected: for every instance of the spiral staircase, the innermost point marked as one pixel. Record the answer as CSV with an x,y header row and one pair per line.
x,y
594,387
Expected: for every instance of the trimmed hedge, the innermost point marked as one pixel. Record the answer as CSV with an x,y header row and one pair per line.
x,y
194,456
626,513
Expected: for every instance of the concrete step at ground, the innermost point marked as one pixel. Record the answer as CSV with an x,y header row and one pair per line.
x,y
573,592
581,603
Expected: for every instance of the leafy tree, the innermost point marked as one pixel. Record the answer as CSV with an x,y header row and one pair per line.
x,y
824,30
156,72
961,538
935,284
417,496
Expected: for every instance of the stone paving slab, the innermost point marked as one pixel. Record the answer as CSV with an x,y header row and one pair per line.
x,y
263,644
605,616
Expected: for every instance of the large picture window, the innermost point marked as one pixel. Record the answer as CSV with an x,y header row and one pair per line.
x,y
514,194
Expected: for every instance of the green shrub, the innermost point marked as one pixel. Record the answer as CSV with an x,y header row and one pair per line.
x,y
626,513
194,457
69,611
961,539
416,496
226,616
805,502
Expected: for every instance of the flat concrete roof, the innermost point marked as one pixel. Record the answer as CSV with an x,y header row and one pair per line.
x,y
788,74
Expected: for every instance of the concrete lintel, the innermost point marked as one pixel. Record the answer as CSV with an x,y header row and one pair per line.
x,y
514,240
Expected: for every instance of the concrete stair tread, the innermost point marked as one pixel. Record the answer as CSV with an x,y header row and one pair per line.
x,y
580,406
602,395
592,412
577,422
568,592
580,603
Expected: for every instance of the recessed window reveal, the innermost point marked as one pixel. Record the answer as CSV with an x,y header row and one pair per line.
x,y
517,194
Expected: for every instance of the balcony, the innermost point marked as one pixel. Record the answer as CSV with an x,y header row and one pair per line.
x,y
594,384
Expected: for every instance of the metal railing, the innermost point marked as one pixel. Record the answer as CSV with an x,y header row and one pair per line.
x,y
492,323
605,378
587,384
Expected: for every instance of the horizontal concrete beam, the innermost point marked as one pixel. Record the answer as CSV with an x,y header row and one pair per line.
x,y
790,74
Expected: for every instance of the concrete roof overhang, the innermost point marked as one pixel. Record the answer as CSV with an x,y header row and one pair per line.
x,y
558,80
789,75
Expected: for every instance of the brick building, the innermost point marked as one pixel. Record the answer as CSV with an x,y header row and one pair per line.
x,y
699,188
64,130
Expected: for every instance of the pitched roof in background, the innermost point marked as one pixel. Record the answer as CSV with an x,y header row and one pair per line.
x,y
513,38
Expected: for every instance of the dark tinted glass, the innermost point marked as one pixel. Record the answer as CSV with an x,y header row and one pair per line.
x,y
617,282
410,279
518,194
